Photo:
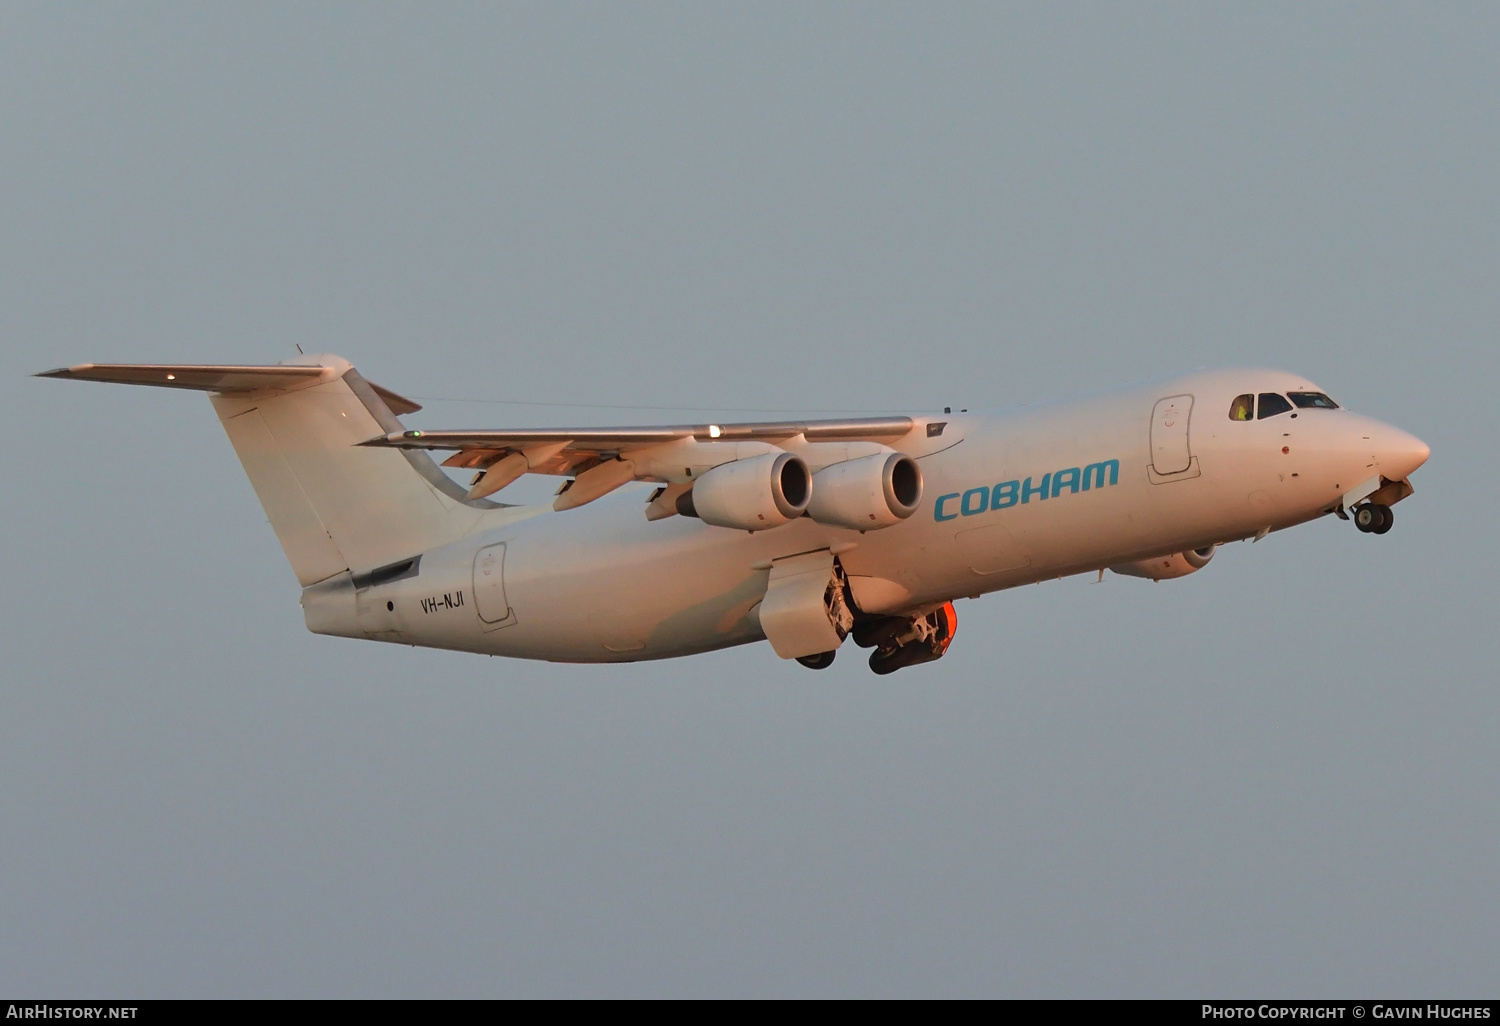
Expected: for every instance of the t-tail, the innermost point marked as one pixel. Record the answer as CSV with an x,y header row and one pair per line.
x,y
336,506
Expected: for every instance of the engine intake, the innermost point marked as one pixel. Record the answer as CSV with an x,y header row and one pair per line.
x,y
751,495
1165,568
868,493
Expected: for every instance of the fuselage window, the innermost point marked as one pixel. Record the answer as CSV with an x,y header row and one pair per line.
x,y
1272,405
1312,401
1243,407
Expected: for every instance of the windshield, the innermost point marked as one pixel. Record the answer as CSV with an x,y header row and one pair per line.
x,y
1312,401
1271,405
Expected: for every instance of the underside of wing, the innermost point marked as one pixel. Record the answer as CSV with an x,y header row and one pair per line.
x,y
580,448
600,460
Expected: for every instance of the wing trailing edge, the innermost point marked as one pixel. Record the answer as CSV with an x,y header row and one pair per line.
x,y
614,439
602,459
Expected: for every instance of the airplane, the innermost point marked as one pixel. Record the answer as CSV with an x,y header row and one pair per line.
x,y
667,541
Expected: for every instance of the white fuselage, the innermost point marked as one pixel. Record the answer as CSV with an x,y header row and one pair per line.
x,y
1057,489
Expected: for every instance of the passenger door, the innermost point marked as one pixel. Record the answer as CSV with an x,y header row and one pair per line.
x,y
1171,452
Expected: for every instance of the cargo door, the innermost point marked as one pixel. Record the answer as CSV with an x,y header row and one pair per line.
x,y
991,550
1170,452
489,588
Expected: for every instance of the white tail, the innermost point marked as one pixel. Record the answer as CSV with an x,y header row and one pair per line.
x,y
336,506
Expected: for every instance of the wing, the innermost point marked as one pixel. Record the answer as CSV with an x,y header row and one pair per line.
x,y
576,447
602,459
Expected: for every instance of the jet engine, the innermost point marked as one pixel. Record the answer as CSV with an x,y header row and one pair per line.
x,y
1164,568
867,493
752,495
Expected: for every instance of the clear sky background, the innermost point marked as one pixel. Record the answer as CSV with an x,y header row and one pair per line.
x,y
1276,777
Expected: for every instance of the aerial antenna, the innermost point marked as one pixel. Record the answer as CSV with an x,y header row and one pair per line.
x,y
299,350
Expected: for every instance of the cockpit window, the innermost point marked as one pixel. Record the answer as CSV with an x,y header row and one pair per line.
x,y
1272,405
1243,407
1312,401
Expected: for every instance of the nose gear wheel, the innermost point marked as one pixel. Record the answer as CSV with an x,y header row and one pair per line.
x,y
1373,518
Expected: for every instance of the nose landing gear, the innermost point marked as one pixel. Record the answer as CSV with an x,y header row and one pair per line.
x,y
1373,518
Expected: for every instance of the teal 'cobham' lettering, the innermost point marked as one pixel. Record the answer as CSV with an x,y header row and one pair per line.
x,y
1040,490
1016,493
1067,477
1094,473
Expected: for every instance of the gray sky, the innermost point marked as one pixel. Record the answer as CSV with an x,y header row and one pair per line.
x,y
1277,777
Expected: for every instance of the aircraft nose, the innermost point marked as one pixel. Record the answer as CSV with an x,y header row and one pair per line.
x,y
1399,453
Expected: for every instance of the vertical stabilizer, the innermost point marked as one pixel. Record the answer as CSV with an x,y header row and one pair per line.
x,y
334,504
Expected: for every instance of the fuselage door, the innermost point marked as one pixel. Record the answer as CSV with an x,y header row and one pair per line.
x,y
489,587
1169,435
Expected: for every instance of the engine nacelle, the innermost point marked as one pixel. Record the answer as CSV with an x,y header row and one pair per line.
x,y
867,493
1164,568
752,495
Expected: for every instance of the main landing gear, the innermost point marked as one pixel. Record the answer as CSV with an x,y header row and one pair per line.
x,y
1373,518
900,642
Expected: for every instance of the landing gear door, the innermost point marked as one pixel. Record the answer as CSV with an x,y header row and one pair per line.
x,y
489,588
1171,455
803,613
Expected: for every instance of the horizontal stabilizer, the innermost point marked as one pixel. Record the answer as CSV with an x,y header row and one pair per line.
x,y
222,378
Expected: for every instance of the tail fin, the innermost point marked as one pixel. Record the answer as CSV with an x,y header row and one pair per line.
x,y
334,505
